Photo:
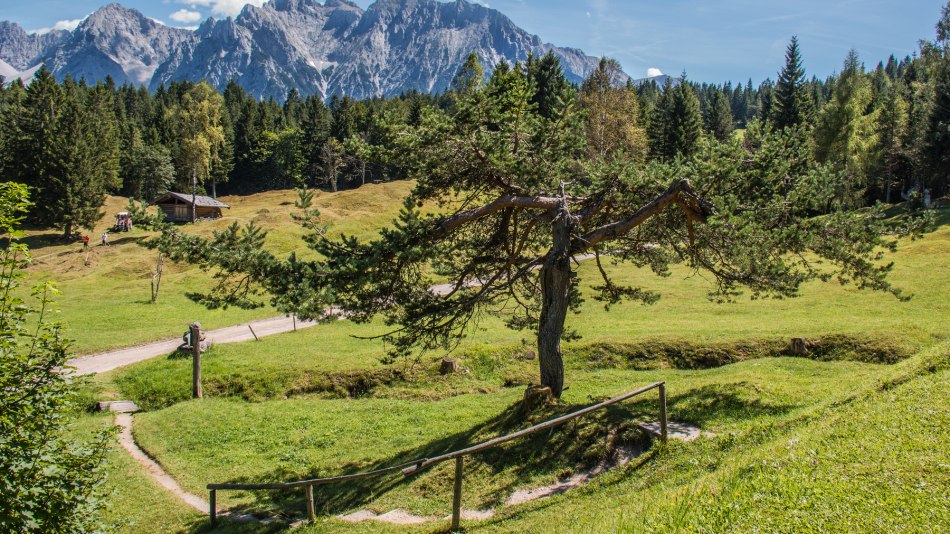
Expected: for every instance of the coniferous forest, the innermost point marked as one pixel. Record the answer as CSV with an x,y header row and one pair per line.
x,y
885,128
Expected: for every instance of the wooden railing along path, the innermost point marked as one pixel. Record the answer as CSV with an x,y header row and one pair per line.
x,y
415,466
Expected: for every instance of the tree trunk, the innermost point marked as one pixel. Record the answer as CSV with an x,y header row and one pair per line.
x,y
214,188
194,194
555,291
68,230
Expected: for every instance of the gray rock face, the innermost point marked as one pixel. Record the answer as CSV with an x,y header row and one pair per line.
x,y
21,50
118,42
333,48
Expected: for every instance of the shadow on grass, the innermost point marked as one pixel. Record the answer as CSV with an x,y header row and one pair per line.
x,y
545,455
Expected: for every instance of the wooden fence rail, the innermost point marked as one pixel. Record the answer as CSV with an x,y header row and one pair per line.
x,y
415,466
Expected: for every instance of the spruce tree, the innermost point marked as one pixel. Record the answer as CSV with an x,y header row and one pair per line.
x,y
44,103
845,134
686,121
659,125
720,119
552,92
790,104
87,159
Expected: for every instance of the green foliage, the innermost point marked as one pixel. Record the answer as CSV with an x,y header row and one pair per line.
x,y
552,92
719,118
613,125
197,125
469,77
63,142
675,123
48,480
150,172
791,105
846,134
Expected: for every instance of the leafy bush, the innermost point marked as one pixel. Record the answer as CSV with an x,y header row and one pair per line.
x,y
48,481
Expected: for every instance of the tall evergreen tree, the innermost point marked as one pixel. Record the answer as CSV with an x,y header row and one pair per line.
x,y
790,105
87,161
676,124
936,145
719,119
845,133
552,92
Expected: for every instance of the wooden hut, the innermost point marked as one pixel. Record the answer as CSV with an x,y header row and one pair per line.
x,y
177,206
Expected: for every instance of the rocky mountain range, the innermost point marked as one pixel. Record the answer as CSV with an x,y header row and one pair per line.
x,y
329,48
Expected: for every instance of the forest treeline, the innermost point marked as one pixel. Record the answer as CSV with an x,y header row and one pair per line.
x,y
887,129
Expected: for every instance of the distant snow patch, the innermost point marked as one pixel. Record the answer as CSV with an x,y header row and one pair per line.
x,y
653,72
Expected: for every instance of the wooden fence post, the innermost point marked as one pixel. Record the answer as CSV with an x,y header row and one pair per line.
x,y
213,507
253,333
663,434
457,496
311,508
195,329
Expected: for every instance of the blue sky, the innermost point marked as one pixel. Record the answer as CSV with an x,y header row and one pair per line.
x,y
713,40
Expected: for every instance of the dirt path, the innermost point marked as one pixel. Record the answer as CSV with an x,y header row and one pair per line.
x,y
113,359
107,361
124,421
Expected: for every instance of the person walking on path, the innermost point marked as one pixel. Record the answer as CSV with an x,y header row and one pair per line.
x,y
105,239
85,242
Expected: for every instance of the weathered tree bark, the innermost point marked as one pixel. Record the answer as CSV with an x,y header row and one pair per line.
x,y
555,290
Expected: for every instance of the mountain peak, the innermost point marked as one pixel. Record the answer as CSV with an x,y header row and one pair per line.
x,y
328,48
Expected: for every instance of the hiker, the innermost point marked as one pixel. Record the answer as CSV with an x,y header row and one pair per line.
x,y
85,242
105,239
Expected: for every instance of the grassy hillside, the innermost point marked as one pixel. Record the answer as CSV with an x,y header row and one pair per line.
x,y
848,439
106,296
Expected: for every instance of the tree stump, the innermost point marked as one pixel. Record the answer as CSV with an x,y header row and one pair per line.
x,y
798,346
449,366
536,397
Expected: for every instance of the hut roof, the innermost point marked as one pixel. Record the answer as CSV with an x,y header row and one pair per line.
x,y
200,200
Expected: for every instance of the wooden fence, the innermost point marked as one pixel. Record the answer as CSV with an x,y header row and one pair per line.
x,y
415,466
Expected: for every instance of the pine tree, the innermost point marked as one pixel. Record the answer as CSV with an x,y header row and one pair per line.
x,y
893,128
790,105
552,92
660,120
686,121
845,134
720,119
43,103
316,131
87,162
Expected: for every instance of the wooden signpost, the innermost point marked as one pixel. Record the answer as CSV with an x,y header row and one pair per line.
x,y
195,330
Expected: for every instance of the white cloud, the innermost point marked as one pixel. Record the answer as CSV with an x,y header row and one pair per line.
x,y
224,8
61,25
653,72
185,16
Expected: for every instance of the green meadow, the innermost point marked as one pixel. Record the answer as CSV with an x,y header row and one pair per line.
x,y
853,437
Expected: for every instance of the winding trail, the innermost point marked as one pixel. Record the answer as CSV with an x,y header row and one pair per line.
x,y
124,422
107,361
113,359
